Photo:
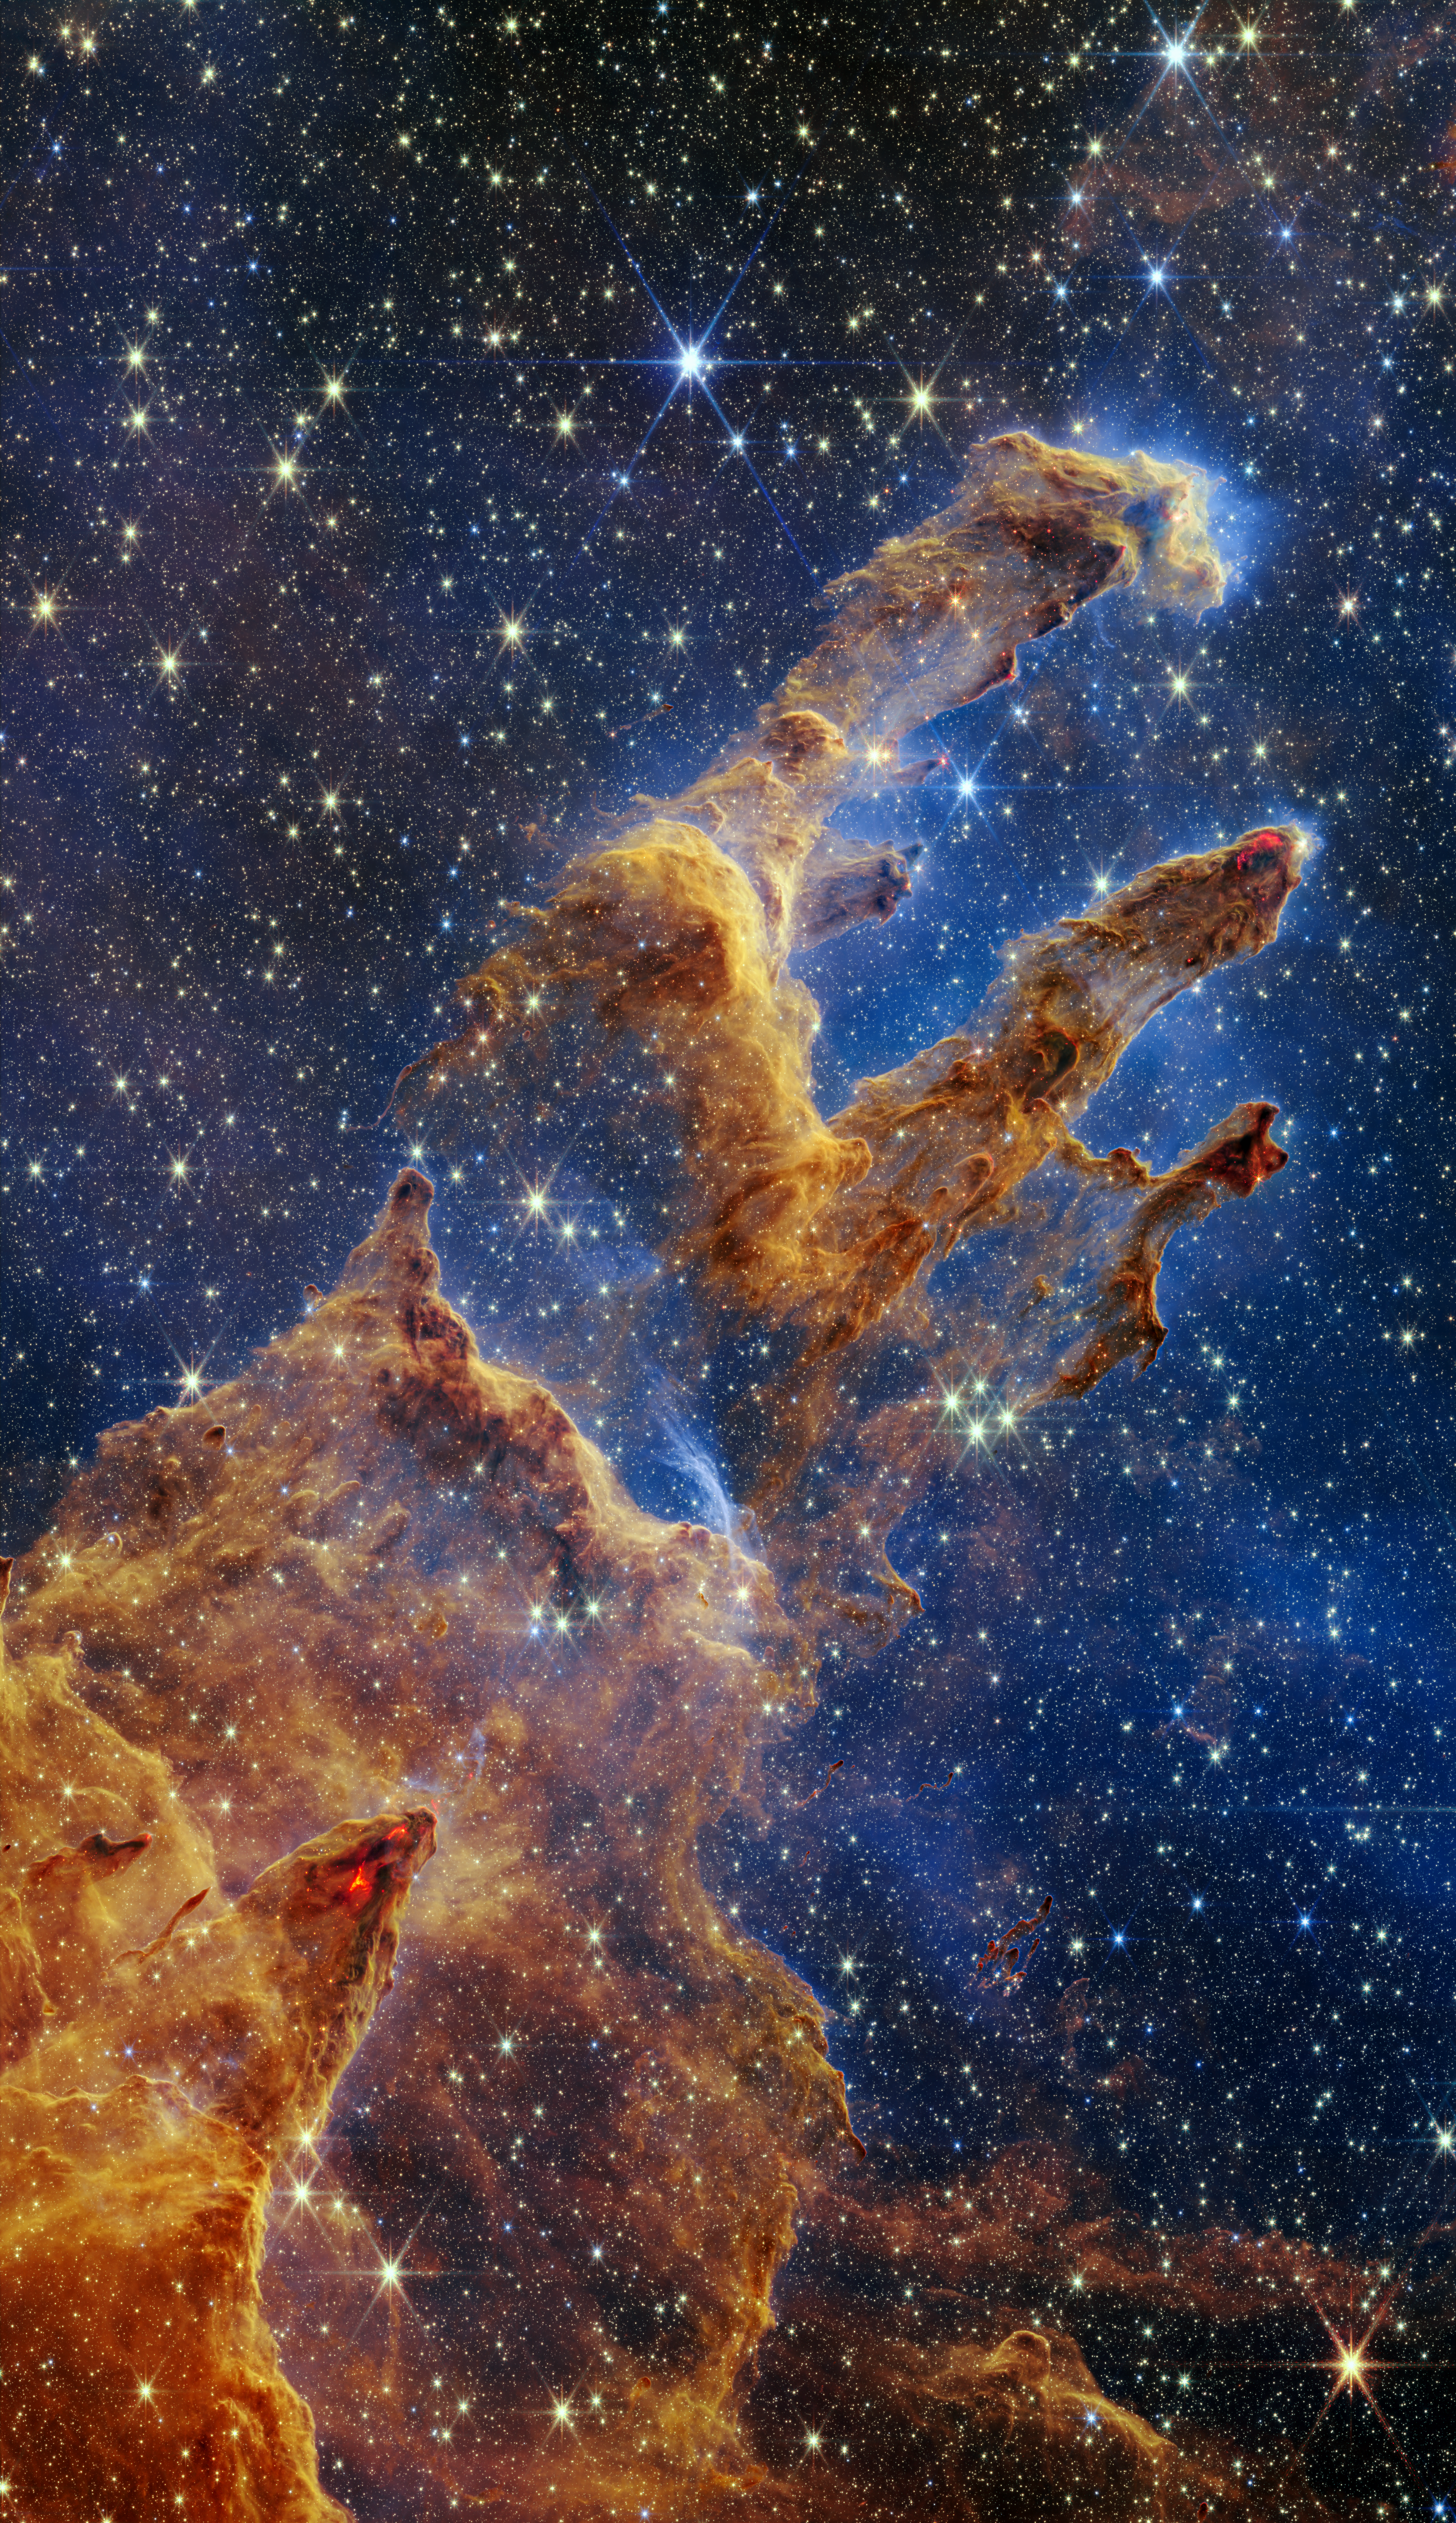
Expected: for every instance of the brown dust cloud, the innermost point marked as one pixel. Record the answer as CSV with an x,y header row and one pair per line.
x,y
356,1723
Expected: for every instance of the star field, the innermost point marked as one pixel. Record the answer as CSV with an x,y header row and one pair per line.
x,y
429,433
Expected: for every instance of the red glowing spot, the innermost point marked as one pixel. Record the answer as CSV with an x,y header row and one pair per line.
x,y
357,1887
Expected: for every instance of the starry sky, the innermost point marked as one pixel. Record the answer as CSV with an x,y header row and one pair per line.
x,y
427,430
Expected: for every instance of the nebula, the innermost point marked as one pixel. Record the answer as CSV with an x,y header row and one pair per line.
x,y
149,2096
404,1570
932,620
218,1637
643,1033
643,1015
655,986
530,2249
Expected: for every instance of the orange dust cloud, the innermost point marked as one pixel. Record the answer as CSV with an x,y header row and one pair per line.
x,y
406,1572
147,2101
528,2220
657,1025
